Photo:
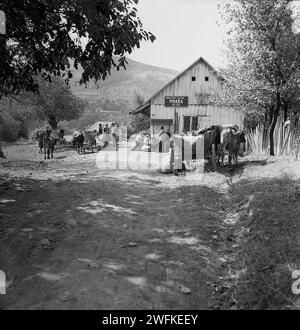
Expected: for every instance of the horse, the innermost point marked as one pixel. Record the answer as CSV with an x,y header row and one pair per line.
x,y
49,144
46,142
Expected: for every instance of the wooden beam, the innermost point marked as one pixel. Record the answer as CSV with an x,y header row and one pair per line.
x,y
213,157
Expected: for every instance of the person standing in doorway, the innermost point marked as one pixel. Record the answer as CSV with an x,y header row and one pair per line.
x,y
164,141
161,138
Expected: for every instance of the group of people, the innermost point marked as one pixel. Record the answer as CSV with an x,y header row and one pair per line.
x,y
104,133
98,138
146,143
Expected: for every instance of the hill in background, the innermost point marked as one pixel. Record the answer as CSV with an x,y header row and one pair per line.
x,y
113,98
110,100
119,90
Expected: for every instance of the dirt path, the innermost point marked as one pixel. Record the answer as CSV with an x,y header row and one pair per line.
x,y
75,237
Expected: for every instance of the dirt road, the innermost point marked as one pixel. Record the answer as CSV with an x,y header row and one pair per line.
x,y
76,237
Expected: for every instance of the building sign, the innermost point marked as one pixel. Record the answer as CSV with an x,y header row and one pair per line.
x,y
2,22
176,101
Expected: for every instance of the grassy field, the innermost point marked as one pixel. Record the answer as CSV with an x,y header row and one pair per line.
x,y
263,248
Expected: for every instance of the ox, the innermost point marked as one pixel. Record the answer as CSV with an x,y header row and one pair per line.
x,y
230,140
78,140
212,136
225,138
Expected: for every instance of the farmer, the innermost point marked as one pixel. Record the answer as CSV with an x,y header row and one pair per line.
x,y
115,134
100,131
169,132
105,136
94,134
48,132
61,135
164,141
162,131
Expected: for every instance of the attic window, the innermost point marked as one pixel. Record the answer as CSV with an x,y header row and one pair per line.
x,y
193,78
206,78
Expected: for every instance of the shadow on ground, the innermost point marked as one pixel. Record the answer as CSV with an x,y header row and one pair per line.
x,y
99,244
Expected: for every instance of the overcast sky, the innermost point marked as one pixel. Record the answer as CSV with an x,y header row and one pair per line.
x,y
185,30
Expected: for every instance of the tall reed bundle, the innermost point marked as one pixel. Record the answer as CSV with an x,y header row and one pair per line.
x,y
286,139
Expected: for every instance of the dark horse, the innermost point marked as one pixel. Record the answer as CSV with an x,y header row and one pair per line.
x,y
46,142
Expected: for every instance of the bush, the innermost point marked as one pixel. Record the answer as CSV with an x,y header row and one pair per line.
x,y
12,129
8,133
138,123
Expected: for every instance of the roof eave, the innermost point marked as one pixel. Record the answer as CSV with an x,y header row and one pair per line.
x,y
141,108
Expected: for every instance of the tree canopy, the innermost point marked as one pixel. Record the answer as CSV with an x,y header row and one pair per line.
x,y
50,37
264,53
14,118
55,102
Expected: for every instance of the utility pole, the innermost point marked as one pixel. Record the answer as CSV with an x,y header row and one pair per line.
x,y
2,50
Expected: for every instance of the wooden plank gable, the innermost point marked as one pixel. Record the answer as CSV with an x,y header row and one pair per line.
x,y
197,88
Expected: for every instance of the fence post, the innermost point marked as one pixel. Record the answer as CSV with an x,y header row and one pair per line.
x,y
2,38
213,157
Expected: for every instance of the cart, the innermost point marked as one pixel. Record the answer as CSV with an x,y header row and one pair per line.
x,y
90,143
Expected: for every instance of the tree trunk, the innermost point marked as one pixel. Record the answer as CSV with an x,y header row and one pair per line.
x,y
271,114
285,113
274,114
53,122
